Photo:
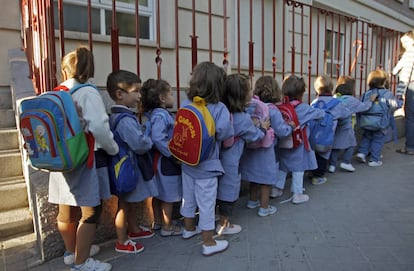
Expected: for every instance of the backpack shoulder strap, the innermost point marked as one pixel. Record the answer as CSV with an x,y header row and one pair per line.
x,y
77,87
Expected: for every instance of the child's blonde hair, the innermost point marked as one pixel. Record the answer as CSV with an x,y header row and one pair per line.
x,y
377,79
323,85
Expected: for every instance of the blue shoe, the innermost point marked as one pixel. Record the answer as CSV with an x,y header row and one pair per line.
x,y
253,204
270,210
319,180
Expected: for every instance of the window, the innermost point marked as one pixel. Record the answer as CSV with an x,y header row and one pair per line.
x,y
75,16
334,51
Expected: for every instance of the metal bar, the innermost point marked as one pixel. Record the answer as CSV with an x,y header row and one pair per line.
x,y
380,52
310,53
344,55
238,36
361,67
263,40
114,39
251,44
158,59
274,38
210,41
332,40
356,49
317,43
90,25
137,37
338,46
226,52
177,55
51,47
293,39
61,29
301,41
283,38
193,39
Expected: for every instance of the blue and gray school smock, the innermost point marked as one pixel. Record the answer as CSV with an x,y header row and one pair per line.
x,y
299,158
344,133
338,112
168,175
133,134
244,131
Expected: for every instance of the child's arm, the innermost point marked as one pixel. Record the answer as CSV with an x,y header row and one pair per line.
x,y
279,125
224,129
306,113
250,132
159,135
131,132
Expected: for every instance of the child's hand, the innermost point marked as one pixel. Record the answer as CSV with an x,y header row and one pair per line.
x,y
292,124
265,124
373,97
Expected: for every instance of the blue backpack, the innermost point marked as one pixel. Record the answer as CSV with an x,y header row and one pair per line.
x,y
53,135
322,131
378,116
126,167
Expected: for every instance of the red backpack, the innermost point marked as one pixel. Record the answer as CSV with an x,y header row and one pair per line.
x,y
298,136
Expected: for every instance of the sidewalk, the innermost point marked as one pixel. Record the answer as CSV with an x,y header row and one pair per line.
x,y
357,221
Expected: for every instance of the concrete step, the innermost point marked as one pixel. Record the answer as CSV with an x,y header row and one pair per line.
x,y
9,138
15,222
7,118
10,163
13,193
6,101
20,253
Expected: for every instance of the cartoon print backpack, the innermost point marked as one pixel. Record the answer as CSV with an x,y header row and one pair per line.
x,y
52,131
378,116
194,133
125,167
298,136
322,131
259,112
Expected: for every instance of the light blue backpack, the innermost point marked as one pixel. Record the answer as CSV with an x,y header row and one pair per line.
x,y
378,116
53,135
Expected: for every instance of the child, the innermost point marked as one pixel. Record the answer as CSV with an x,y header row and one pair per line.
x,y
373,140
237,93
301,158
156,98
259,166
344,133
324,87
123,87
200,181
84,187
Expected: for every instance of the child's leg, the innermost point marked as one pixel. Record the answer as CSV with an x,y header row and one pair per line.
x,y
156,209
333,159
364,143
206,194
66,225
347,156
121,221
281,179
377,143
254,191
188,204
322,164
264,195
132,216
225,209
297,188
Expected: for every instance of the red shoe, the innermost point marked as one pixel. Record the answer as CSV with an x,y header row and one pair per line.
x,y
142,234
129,247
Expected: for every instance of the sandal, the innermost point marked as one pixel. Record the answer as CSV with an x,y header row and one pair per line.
x,y
175,231
404,151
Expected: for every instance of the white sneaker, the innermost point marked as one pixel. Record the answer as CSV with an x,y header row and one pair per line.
x,y
299,198
276,192
270,210
189,234
92,265
361,157
347,167
331,169
252,204
375,163
69,258
230,229
220,246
